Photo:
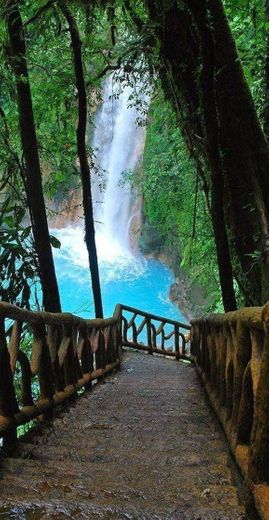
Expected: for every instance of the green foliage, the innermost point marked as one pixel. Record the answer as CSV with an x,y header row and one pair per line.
x,y
169,192
54,96
250,28
169,179
19,271
55,242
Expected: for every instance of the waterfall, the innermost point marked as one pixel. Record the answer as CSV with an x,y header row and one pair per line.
x,y
118,144
125,277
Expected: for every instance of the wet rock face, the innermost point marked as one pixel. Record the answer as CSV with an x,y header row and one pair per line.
x,y
142,446
150,241
190,298
67,211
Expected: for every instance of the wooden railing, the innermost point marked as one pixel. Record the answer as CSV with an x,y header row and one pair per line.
x,y
154,334
231,352
46,358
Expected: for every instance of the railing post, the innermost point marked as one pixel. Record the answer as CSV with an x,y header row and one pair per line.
x,y
42,365
85,354
149,338
26,375
54,338
124,324
177,342
119,338
259,450
194,339
242,357
8,401
100,354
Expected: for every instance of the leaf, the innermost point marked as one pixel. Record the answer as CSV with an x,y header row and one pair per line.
x,y
8,221
55,242
26,232
20,215
186,255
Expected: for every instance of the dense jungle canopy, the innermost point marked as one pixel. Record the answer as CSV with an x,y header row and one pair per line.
x,y
205,174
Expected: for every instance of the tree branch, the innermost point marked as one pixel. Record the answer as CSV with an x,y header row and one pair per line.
x,y
39,12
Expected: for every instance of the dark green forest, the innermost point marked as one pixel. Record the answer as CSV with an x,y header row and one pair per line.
x,y
204,179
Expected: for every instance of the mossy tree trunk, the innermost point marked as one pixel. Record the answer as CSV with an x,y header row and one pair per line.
x,y
238,149
33,176
266,75
211,133
245,159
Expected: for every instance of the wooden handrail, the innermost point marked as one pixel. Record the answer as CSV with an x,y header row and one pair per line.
x,y
172,341
231,352
250,316
66,353
7,310
127,308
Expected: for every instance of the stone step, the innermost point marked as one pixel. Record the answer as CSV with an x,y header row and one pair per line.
x,y
134,470
94,431
89,491
138,450
144,446
81,510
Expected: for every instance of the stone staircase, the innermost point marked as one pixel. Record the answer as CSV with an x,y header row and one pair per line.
x,y
143,445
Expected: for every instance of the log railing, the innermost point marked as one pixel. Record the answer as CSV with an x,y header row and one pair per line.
x,y
46,358
64,353
154,334
231,352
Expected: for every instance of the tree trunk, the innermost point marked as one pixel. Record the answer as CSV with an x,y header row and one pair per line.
x,y
83,160
210,117
266,76
33,176
243,148
245,157
180,54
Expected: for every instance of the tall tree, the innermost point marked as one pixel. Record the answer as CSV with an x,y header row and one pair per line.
x,y
33,176
211,132
83,159
266,74
188,77
243,150
245,157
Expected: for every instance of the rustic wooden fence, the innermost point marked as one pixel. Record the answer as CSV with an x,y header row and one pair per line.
x,y
231,352
66,354
154,334
46,358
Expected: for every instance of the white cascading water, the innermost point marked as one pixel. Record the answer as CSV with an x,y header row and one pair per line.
x,y
118,143
125,277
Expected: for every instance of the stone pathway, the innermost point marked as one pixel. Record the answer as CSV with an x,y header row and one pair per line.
x,y
142,446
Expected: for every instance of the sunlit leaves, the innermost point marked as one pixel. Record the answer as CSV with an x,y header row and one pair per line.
x,y
19,271
250,28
